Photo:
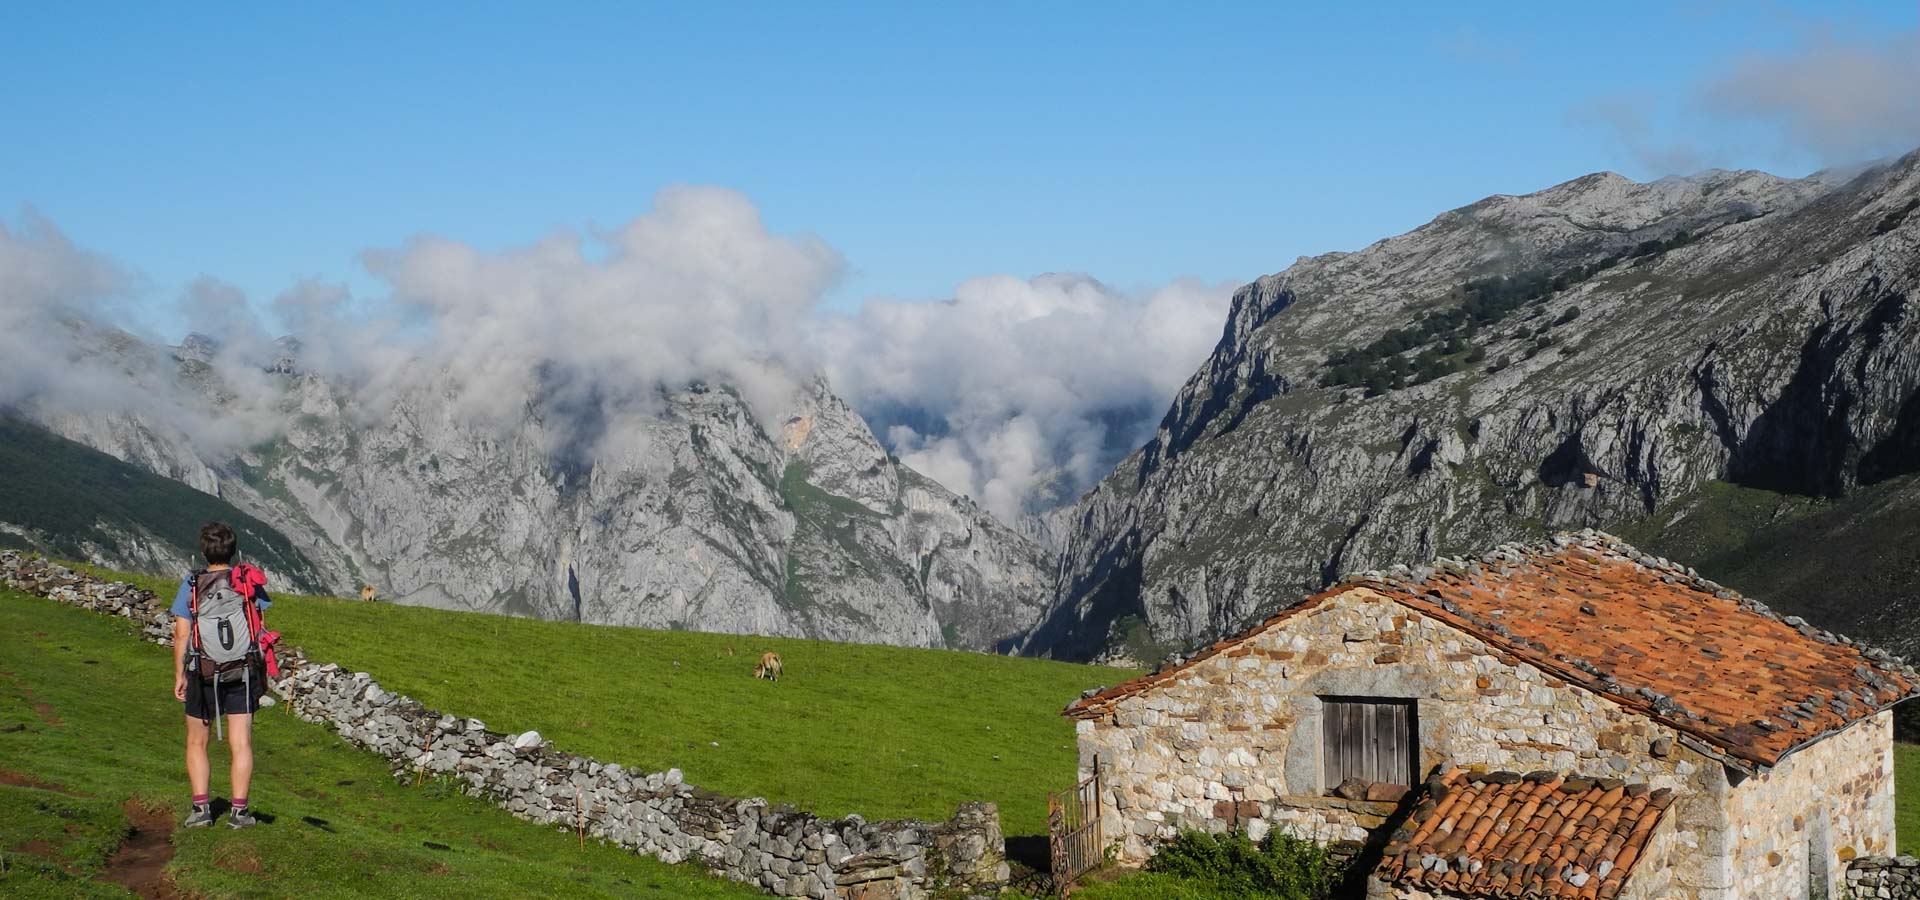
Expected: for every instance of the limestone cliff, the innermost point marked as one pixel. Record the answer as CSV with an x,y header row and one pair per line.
x,y
696,515
1582,356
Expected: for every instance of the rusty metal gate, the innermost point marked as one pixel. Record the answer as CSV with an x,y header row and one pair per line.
x,y
1073,830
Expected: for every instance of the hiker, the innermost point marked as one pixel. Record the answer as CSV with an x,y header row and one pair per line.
x,y
222,654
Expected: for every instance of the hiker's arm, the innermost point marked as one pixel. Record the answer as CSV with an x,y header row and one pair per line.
x,y
182,611
180,638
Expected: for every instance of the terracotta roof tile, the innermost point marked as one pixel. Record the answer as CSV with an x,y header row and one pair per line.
x,y
1505,835
1649,634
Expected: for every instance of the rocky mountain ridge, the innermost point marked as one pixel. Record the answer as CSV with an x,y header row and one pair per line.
x,y
702,518
1581,356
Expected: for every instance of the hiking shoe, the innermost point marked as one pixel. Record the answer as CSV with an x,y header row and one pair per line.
x,y
241,818
199,817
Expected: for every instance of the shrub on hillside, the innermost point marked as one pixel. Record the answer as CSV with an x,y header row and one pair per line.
x,y
1281,866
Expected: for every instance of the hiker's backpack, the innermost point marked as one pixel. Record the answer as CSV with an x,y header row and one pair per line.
x,y
227,629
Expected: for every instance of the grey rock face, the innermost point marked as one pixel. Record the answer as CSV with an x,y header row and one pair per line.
x,y
695,515
1730,326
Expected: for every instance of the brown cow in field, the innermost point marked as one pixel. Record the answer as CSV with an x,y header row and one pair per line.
x,y
769,667
367,593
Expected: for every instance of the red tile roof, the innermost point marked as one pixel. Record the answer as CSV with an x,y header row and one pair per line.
x,y
1504,835
1651,635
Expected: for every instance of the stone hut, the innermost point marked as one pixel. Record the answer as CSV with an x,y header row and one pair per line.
x,y
1570,719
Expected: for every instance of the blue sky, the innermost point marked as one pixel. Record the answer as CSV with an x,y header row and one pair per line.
x,y
1138,143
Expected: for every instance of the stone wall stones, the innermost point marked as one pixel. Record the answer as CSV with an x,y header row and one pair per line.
x,y
1884,878
784,851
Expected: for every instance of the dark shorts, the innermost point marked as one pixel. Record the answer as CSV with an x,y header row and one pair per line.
x,y
235,698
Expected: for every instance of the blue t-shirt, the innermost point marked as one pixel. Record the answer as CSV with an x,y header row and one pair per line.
x,y
183,600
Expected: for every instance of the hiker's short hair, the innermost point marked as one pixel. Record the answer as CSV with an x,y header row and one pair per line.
x,y
217,543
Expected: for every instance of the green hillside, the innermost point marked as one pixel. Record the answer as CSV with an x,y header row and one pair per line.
x,y
881,731
878,730
87,723
68,497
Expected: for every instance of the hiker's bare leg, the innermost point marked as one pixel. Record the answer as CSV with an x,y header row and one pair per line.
x,y
199,771
240,738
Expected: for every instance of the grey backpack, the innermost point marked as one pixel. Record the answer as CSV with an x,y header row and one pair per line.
x,y
226,631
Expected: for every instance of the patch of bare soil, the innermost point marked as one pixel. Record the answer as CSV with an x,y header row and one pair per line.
x,y
22,779
42,849
140,865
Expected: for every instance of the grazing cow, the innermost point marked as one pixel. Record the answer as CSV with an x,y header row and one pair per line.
x,y
367,593
769,667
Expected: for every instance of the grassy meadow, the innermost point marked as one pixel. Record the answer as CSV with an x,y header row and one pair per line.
x,y
883,731
88,723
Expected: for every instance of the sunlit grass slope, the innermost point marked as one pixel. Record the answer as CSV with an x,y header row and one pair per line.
x,y
88,721
882,731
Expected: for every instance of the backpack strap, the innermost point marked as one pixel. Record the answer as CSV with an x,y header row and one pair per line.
x,y
193,606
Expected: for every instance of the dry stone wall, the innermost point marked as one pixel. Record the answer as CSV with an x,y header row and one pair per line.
x,y
784,851
1884,878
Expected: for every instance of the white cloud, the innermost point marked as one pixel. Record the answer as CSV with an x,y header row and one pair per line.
x,y
51,292
1019,392
58,307
695,289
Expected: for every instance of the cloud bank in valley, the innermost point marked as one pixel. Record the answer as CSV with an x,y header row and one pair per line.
x,y
56,299
1019,392
697,289
48,284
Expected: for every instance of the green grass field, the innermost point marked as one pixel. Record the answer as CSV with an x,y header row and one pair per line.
x,y
882,731
88,721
